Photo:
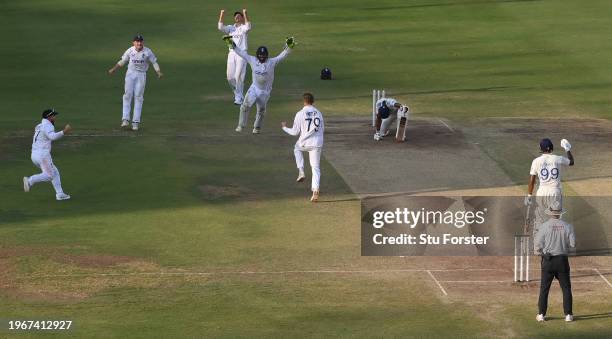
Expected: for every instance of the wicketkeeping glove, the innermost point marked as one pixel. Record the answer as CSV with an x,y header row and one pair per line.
x,y
290,42
566,145
228,40
528,200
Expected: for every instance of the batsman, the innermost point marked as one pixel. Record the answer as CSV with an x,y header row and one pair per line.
x,y
546,169
388,110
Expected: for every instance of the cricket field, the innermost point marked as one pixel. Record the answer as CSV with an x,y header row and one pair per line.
x,y
189,229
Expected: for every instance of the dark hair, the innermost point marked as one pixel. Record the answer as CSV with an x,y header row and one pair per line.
x,y
238,12
308,98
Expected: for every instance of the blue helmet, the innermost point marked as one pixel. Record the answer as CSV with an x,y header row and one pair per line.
x,y
384,110
546,145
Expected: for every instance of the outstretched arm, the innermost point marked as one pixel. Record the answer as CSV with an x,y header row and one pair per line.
x,y
295,129
570,156
282,55
124,60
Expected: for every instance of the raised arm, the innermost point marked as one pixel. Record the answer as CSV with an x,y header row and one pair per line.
x,y
220,26
281,56
245,16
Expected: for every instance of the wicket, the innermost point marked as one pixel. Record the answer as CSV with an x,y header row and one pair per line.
x,y
521,258
377,94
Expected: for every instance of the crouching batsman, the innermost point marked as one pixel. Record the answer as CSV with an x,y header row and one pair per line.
x,y
388,110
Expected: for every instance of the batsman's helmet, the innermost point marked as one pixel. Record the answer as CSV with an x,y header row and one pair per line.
x,y
262,54
49,113
326,74
546,145
384,110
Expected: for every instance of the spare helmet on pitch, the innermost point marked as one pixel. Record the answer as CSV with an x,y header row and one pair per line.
x,y
546,145
326,74
262,54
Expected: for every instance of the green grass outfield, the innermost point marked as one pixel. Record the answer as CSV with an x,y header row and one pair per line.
x,y
188,195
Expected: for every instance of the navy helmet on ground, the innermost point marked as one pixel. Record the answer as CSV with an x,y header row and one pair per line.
x,y
384,110
546,145
326,74
262,54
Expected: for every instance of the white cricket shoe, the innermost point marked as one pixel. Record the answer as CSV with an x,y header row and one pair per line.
x,y
315,196
377,137
540,317
386,133
256,130
134,126
125,123
569,318
62,196
300,177
26,184
239,129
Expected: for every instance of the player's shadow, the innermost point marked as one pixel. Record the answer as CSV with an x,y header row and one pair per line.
x,y
593,316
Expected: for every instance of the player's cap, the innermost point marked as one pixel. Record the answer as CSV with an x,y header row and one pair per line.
x,y
546,145
138,37
49,113
555,209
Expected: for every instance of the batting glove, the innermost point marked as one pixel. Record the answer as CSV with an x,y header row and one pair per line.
x,y
566,145
528,200
290,42
228,40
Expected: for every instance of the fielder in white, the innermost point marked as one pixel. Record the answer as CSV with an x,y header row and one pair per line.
x,y
236,66
386,109
309,125
547,170
44,135
262,77
138,58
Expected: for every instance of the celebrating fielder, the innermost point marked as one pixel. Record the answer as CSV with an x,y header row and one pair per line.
x,y
236,66
308,124
44,135
262,77
547,169
138,58
387,110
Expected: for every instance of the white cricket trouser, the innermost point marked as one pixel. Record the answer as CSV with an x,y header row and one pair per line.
x,y
134,88
386,123
236,70
49,171
254,96
314,156
545,196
